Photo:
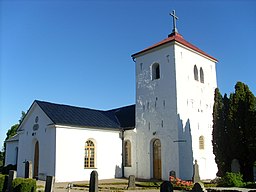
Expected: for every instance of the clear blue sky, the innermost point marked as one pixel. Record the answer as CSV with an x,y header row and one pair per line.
x,y
78,52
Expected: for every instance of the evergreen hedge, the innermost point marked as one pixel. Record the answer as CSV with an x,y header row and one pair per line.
x,y
24,185
3,182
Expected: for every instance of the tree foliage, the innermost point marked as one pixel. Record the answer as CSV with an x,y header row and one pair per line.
x,y
13,131
234,130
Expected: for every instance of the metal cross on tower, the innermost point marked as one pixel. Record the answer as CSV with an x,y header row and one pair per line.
x,y
174,30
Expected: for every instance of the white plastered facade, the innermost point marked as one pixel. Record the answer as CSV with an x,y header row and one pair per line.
x,y
62,149
176,109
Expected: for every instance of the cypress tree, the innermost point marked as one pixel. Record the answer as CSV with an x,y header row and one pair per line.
x,y
241,128
234,130
219,133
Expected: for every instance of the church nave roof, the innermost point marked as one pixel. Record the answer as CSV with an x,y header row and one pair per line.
x,y
60,114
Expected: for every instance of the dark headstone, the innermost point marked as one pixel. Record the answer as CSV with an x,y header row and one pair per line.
x,y
196,177
12,176
235,166
198,187
93,182
166,186
5,186
254,173
131,182
49,186
172,174
28,169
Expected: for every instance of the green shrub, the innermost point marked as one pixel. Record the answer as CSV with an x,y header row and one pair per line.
x,y
250,185
3,182
231,180
24,185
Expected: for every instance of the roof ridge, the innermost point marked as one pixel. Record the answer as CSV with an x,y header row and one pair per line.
x,y
66,105
178,38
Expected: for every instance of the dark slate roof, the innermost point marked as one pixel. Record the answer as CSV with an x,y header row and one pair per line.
x,y
123,117
13,138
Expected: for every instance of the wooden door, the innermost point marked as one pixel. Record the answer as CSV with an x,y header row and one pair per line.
x,y
157,164
36,160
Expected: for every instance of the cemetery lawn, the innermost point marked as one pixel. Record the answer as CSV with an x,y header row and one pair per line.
x,y
140,185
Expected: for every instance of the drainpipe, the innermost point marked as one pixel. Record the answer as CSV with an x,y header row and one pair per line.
x,y
123,155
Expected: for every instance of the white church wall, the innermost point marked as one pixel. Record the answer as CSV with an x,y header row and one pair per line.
x,y
156,115
11,155
45,135
195,103
70,153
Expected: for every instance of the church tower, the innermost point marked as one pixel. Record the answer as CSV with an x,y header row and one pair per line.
x,y
175,83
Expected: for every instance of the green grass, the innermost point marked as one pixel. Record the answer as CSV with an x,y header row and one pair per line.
x,y
117,186
148,184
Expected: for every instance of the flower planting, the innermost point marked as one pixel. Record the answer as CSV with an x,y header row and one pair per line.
x,y
180,184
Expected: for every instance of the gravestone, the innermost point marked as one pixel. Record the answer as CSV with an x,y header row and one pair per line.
x,y
196,177
49,186
166,186
69,187
131,182
235,166
28,169
12,176
198,187
93,182
5,184
172,174
254,173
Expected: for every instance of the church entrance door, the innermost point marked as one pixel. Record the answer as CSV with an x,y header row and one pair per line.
x,y
157,163
36,160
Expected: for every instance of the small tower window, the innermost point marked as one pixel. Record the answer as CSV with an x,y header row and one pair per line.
x,y
195,73
155,71
201,142
141,66
201,75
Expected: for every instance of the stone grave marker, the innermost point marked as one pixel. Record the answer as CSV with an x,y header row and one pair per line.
x,y
28,169
198,187
196,177
93,182
235,166
254,173
166,186
5,184
12,176
172,174
131,182
49,185
69,187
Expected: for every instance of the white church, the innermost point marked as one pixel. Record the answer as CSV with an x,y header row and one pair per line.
x,y
168,128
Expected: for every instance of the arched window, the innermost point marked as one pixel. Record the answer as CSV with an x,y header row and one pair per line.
x,y
195,73
89,158
201,75
201,142
155,71
127,153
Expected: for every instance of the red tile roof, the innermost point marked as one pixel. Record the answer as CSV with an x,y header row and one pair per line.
x,y
178,38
